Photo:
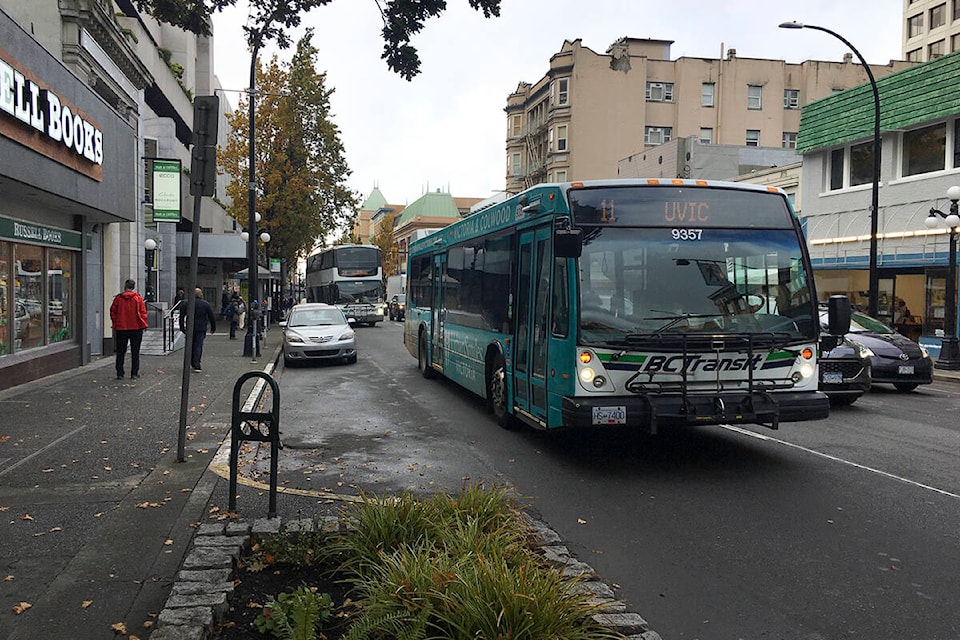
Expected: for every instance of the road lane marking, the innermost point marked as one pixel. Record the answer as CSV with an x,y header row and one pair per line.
x,y
827,456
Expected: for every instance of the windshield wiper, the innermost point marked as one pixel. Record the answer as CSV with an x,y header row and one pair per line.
x,y
673,320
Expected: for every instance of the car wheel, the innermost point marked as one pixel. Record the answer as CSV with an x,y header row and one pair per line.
x,y
905,387
497,395
422,361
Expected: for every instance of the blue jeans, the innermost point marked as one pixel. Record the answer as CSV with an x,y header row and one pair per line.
x,y
197,352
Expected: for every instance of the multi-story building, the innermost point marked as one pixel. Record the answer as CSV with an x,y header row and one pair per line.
x,y
931,28
591,110
919,161
92,92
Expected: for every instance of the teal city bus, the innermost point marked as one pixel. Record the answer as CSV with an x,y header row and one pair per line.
x,y
640,303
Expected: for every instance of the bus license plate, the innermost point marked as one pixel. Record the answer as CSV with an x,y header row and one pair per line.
x,y
905,369
610,415
833,378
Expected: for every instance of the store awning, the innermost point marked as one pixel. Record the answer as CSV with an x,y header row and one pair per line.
x,y
262,274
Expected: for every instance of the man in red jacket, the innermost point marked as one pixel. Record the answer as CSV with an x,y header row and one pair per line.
x,y
129,316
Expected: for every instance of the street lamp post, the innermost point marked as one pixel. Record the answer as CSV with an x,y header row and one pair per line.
x,y
949,349
149,246
251,346
874,286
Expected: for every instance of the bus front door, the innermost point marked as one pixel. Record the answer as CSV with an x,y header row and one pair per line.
x,y
437,315
533,326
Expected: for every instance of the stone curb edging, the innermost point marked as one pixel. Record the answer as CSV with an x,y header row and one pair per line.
x,y
198,599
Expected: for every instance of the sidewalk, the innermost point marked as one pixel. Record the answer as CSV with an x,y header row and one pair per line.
x,y
97,513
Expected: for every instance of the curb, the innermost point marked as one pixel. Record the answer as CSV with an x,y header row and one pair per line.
x,y
198,600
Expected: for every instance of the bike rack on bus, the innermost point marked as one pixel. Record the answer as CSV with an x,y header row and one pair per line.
x,y
255,426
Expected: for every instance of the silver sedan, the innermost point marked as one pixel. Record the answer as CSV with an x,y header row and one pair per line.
x,y
318,332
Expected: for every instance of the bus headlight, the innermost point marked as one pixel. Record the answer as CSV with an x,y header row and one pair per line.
x,y
587,375
805,372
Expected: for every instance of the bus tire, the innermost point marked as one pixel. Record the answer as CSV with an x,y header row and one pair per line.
x,y
497,395
423,361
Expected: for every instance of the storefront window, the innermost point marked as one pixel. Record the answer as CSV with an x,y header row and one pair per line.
x,y
6,335
59,294
28,295
935,303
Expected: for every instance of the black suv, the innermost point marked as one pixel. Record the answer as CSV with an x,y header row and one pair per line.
x,y
397,306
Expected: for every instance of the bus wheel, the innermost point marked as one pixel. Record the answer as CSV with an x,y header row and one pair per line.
x,y
423,362
497,395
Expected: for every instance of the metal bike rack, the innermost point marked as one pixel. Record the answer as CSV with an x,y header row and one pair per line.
x,y
255,426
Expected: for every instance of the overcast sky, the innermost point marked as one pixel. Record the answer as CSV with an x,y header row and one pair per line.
x,y
446,128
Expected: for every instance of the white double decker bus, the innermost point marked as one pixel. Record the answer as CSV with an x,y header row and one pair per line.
x,y
349,276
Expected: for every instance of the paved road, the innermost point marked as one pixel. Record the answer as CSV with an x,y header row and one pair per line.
x,y
845,528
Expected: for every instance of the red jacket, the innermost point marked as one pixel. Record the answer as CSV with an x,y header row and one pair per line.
x,y
128,311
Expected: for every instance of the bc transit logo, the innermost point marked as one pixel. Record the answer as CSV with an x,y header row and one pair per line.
x,y
695,363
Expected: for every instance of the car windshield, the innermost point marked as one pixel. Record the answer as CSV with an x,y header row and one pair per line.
x,y
860,323
644,283
314,317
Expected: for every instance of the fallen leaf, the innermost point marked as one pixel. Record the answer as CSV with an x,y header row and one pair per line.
x,y
85,604
119,627
21,607
8,579
581,521
26,516
168,542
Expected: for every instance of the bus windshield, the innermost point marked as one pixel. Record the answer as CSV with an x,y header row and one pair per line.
x,y
358,261
357,291
647,282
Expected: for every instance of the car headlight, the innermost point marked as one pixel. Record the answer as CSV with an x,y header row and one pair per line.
x,y
293,336
347,335
862,350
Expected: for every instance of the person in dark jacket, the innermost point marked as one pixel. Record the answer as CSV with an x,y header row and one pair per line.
x,y
203,314
128,313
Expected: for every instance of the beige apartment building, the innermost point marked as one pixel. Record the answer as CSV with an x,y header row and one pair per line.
x,y
931,28
591,110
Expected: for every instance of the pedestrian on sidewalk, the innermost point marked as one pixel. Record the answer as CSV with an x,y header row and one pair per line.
x,y
203,314
233,314
241,312
128,313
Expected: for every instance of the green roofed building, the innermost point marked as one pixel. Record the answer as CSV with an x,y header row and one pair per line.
x,y
920,160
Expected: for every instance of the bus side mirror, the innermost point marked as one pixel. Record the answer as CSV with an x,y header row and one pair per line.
x,y
568,243
838,315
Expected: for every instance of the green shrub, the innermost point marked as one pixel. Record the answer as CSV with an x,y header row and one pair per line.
x,y
295,615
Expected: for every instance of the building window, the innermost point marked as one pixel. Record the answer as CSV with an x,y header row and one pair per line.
x,y
659,92
563,91
935,49
516,126
754,96
836,169
954,42
706,94
789,140
791,98
956,143
956,10
938,16
915,55
753,137
861,163
657,135
562,175
706,135
915,26
561,137
924,150
515,164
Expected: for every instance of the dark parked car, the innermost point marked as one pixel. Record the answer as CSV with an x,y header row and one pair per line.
x,y
896,359
845,373
398,305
